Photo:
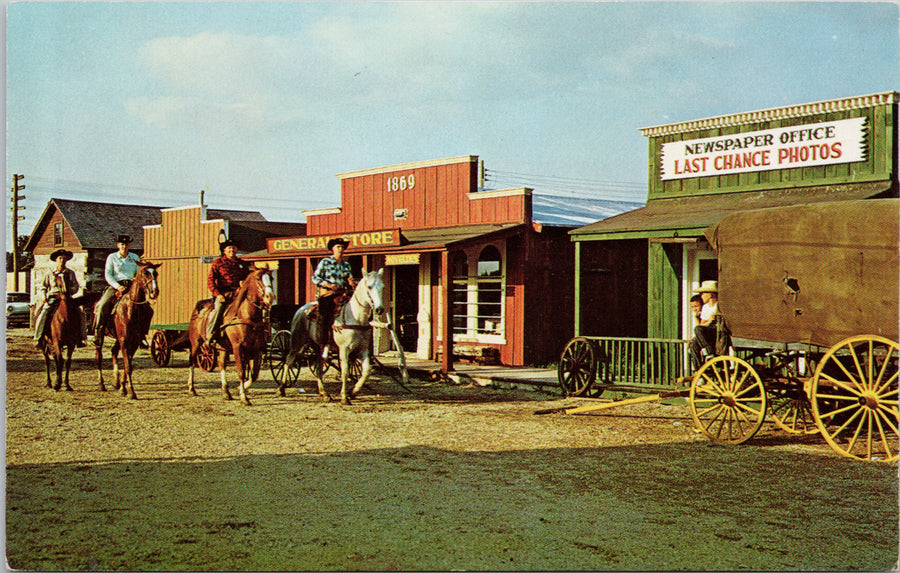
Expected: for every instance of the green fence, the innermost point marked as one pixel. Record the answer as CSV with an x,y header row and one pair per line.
x,y
654,363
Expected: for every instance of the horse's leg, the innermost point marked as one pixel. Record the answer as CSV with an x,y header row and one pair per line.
x,y
345,373
241,366
59,360
192,358
47,364
99,355
70,349
114,355
366,370
225,393
128,367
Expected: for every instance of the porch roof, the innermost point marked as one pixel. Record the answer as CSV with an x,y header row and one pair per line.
x,y
687,217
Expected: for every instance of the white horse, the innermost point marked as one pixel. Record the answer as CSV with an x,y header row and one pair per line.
x,y
352,334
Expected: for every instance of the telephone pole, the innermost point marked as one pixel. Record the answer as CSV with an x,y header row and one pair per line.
x,y
16,188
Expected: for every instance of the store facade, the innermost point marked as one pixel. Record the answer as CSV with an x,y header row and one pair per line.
x,y
468,273
643,264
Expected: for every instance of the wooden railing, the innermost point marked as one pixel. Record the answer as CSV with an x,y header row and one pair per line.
x,y
650,362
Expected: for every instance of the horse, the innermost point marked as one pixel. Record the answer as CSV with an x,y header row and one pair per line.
x,y
244,326
352,334
128,325
63,331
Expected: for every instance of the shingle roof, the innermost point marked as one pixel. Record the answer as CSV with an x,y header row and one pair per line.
x,y
98,224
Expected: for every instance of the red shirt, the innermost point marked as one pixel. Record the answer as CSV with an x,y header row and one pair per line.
x,y
225,275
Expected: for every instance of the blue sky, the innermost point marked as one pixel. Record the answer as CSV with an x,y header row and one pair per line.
x,y
262,103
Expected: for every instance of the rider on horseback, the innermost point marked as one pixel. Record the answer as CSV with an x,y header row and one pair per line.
x,y
333,277
225,277
59,282
121,267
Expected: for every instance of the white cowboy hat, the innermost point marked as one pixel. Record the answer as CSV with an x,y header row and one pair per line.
x,y
708,286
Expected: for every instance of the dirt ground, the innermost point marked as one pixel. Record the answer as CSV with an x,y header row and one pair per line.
x,y
441,478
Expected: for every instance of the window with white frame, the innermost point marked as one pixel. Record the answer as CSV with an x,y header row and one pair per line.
x,y
478,305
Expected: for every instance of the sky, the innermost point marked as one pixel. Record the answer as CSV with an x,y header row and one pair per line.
x,y
261,104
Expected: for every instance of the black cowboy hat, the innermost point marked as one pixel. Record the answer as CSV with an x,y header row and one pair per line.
x,y
60,253
228,243
338,241
123,239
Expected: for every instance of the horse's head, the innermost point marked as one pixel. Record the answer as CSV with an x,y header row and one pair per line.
x,y
262,278
373,287
147,279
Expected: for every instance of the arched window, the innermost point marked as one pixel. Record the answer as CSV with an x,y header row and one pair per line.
x,y
489,290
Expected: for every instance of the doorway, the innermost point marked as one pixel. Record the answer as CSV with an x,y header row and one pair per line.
x,y
406,305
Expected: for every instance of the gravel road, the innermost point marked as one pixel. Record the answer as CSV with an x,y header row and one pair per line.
x,y
446,477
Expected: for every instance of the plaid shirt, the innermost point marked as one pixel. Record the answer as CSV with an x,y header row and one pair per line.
x,y
225,275
331,271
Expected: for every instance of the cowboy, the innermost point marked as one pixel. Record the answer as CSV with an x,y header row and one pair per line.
x,y
224,278
333,277
703,343
121,268
59,282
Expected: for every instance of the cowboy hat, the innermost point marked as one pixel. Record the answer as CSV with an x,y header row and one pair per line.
x,y
60,253
228,243
123,239
338,241
708,286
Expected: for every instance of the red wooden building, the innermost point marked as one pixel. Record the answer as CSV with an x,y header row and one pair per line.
x,y
468,272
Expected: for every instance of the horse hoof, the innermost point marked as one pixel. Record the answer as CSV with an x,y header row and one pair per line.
x,y
102,388
68,388
56,387
346,401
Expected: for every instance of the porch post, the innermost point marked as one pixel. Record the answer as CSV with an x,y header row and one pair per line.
x,y
446,308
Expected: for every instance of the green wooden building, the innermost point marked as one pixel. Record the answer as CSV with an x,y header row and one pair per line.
x,y
635,271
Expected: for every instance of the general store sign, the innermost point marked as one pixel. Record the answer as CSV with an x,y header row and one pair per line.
x,y
386,237
827,143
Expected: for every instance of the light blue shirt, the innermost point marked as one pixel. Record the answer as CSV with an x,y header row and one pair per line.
x,y
119,268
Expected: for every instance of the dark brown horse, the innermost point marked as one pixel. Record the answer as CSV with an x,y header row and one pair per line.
x,y
63,332
244,331
128,325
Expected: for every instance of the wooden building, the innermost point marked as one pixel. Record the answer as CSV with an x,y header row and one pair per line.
x,y
471,273
88,229
186,240
641,266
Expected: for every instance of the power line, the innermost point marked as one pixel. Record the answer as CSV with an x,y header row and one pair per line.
x,y
571,186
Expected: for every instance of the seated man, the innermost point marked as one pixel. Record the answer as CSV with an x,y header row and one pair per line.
x,y
703,345
60,281
332,276
121,267
224,278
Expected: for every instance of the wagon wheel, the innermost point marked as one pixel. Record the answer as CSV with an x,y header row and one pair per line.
x,y
160,349
790,407
728,400
854,398
206,357
577,366
279,349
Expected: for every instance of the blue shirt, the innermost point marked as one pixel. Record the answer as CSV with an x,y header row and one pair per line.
x,y
119,268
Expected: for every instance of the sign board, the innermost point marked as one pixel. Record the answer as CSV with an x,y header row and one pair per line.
x,y
810,145
401,259
280,245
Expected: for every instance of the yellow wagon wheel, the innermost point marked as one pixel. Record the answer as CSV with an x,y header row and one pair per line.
x,y
854,398
577,366
728,400
790,408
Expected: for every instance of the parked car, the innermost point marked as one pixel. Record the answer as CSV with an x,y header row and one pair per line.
x,y
17,308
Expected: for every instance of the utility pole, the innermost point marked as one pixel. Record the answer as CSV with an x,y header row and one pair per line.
x,y
16,188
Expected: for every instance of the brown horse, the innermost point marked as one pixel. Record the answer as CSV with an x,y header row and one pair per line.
x,y
63,331
128,325
243,331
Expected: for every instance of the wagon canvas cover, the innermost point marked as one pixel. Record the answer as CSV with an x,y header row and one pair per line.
x,y
810,273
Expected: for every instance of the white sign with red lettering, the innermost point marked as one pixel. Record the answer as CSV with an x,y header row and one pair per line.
x,y
827,143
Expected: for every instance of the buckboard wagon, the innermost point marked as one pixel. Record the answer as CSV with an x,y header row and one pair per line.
x,y
809,294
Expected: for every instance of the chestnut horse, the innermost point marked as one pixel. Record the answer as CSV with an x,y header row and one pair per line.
x,y
128,325
352,334
63,331
243,331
